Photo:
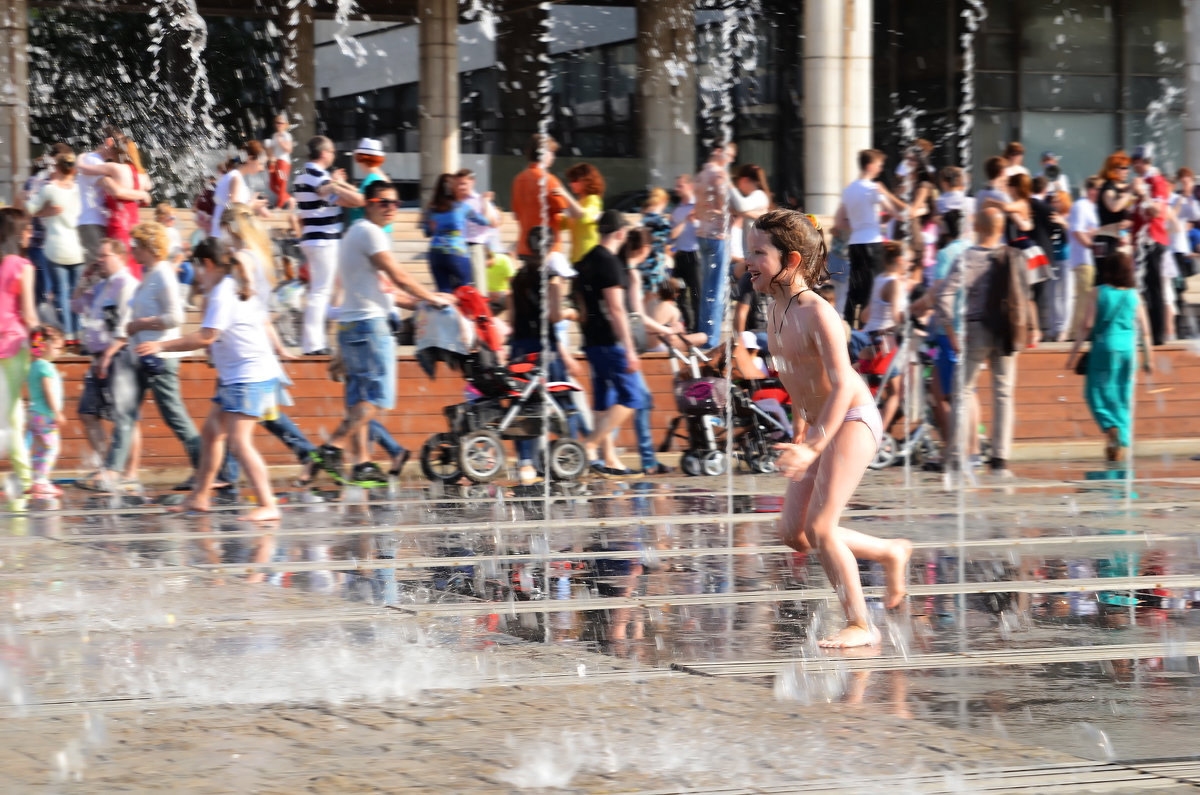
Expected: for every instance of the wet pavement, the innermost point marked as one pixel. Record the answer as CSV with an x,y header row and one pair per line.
x,y
641,636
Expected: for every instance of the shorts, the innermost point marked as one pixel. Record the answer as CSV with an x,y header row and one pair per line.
x,y
866,258
97,394
611,383
945,362
257,399
368,352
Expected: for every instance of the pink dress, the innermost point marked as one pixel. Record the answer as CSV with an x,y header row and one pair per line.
x,y
122,218
13,333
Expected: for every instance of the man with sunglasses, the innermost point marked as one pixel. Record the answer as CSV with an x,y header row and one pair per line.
x,y
365,341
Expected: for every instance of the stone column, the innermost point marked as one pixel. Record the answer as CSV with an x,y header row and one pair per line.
x,y
438,103
666,31
14,97
299,78
856,109
520,55
1191,122
823,101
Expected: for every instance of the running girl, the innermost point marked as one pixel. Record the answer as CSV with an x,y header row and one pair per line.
x,y
45,408
838,427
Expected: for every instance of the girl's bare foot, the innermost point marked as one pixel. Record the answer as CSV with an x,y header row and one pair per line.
x,y
851,637
260,514
190,505
895,570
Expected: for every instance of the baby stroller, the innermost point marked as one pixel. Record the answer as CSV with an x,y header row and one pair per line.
x,y
880,364
512,402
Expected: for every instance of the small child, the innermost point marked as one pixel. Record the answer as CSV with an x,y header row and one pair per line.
x,y
657,267
838,428
45,408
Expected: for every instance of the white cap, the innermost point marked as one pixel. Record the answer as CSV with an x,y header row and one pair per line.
x,y
749,340
560,266
369,146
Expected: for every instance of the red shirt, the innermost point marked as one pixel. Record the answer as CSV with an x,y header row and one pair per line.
x,y
1160,193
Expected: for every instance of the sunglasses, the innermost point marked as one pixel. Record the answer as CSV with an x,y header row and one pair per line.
x,y
385,202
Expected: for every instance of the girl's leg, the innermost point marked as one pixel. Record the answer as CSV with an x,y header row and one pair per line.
x,y
891,403
212,452
839,470
13,371
241,432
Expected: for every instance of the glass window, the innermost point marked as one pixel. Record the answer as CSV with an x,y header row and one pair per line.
x,y
1068,92
1082,140
1079,39
1153,36
994,90
1162,133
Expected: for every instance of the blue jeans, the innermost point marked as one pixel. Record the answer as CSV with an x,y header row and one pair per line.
x,y
369,354
449,271
641,426
714,272
65,277
379,435
286,431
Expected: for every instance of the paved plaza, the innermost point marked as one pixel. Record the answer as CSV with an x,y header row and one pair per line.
x,y
644,637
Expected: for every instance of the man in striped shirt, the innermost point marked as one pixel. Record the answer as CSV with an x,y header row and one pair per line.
x,y
320,197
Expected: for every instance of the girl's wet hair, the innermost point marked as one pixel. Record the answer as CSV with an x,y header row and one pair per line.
x,y
791,231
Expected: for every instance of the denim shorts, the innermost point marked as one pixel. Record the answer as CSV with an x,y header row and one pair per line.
x,y
368,352
97,394
256,399
611,384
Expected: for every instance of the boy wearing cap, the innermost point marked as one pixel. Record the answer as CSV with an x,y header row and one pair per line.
x,y
600,292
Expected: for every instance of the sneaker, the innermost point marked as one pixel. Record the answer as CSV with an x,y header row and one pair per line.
x,y
43,488
527,474
368,475
186,485
658,469
328,458
321,352
612,473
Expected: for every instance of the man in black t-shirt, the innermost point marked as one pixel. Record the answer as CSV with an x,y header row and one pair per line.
x,y
751,312
600,290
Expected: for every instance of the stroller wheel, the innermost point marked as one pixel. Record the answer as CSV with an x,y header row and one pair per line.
x,y
690,463
481,456
568,459
714,463
762,463
439,458
885,456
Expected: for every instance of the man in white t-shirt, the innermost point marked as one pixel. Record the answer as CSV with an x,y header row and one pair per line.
x,y
1014,158
858,213
93,215
1082,223
365,341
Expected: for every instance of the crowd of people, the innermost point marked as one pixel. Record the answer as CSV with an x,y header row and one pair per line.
x,y
921,259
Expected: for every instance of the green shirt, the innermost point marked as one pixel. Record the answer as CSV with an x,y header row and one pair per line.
x,y
38,401
499,274
354,213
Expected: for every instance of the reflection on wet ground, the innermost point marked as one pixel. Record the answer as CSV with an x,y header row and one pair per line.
x,y
1055,610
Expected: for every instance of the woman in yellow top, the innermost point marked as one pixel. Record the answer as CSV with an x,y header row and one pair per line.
x,y
584,208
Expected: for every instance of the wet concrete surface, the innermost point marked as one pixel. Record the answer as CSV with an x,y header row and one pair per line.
x,y
598,640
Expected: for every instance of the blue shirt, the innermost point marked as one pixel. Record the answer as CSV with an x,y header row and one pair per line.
x,y
687,238
448,228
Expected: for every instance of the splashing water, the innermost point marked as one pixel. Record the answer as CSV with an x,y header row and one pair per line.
x,y
972,18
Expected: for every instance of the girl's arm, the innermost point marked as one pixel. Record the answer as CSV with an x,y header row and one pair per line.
x,y
52,399
200,338
28,302
554,295
1084,329
1144,338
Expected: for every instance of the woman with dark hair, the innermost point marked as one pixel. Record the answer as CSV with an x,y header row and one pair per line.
x,y
1116,323
58,203
584,208
446,222
1027,229
233,187
749,197
1114,205
18,316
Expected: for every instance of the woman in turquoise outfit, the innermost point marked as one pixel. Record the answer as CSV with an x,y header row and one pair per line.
x,y
1115,322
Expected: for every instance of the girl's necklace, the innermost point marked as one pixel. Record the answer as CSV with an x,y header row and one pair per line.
x,y
783,315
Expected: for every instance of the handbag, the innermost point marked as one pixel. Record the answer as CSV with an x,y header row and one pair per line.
x,y
1036,262
1081,363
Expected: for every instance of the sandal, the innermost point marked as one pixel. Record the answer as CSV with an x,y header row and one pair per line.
x,y
93,482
